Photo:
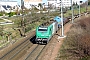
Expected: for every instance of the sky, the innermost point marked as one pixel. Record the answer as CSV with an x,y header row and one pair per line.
x,y
19,1
81,0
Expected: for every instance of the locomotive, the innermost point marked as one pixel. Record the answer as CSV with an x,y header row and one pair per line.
x,y
45,31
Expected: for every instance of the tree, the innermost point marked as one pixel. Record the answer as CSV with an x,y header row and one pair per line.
x,y
88,2
40,5
8,34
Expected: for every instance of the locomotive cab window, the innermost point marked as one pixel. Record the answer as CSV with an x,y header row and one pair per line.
x,y
42,29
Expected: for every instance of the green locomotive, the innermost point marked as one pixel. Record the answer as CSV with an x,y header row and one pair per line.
x,y
45,32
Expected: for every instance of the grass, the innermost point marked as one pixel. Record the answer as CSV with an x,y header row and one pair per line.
x,y
0,37
86,58
4,44
1,20
75,12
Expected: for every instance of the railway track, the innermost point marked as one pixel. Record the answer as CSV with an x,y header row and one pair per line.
x,y
19,49
35,53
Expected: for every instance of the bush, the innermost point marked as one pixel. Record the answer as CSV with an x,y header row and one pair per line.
x,y
11,14
1,14
77,43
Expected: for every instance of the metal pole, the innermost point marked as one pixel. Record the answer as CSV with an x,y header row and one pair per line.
x,y
72,10
62,36
87,7
79,8
62,18
23,23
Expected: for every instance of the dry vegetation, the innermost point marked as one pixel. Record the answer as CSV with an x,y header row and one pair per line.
x,y
76,46
12,32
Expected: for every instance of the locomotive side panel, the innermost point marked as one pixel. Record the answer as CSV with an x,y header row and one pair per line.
x,y
55,27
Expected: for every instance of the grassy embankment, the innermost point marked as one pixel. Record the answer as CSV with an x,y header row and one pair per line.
x,y
76,46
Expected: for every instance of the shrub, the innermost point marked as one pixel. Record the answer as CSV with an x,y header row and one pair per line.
x,y
77,43
11,14
1,14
